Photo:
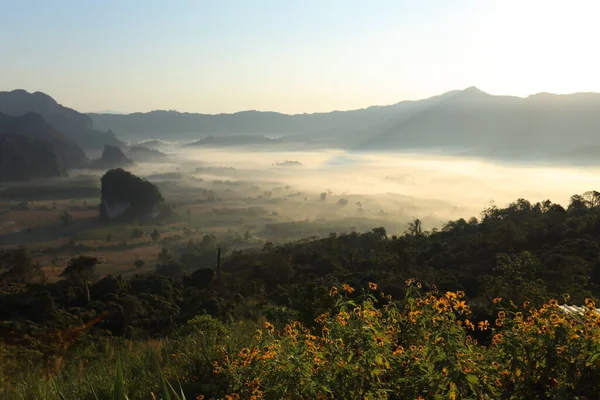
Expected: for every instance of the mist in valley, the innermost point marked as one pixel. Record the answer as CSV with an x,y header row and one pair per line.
x,y
364,190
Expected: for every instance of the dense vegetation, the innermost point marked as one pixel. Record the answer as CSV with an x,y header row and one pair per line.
x,y
467,311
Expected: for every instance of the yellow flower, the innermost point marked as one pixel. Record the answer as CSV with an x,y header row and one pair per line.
x,y
269,327
484,325
333,291
347,288
460,306
398,351
451,295
372,286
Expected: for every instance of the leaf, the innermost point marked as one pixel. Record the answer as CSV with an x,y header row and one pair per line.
x,y
119,388
593,359
166,394
473,382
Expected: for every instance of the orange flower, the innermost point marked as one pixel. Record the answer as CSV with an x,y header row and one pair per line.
x,y
333,291
347,288
484,325
460,306
269,327
372,286
497,300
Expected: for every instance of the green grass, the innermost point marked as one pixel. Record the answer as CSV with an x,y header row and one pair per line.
x,y
177,368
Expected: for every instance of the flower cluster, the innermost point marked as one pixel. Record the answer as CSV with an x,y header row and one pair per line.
x,y
430,345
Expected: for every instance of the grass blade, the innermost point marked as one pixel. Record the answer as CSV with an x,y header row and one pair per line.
x,y
62,396
119,389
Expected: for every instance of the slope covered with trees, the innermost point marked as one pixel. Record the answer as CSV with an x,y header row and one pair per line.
x,y
466,311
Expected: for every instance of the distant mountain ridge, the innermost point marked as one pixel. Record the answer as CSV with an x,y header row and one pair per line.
x,y
75,125
177,125
469,121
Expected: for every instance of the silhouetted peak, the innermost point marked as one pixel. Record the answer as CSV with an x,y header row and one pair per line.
x,y
473,90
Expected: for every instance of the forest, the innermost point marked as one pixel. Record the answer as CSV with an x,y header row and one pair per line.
x,y
241,323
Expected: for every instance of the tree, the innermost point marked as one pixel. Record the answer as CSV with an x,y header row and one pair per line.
x,y
80,271
17,266
323,196
592,198
65,217
155,235
415,228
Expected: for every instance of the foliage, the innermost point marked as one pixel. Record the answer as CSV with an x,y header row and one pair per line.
x,y
427,349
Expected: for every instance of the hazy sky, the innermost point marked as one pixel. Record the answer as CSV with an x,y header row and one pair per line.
x,y
293,56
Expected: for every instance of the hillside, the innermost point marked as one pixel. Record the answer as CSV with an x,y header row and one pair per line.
x,y
75,125
33,126
23,158
469,310
543,125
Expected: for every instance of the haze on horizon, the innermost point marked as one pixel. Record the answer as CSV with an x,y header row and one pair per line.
x,y
293,57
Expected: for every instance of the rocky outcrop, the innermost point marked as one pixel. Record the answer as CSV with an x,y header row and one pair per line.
x,y
125,196
112,157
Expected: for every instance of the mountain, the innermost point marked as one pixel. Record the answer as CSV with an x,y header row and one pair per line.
x,y
112,157
75,125
34,127
23,158
337,127
542,125
144,154
466,121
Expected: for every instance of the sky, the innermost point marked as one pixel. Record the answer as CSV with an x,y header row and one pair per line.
x,y
293,56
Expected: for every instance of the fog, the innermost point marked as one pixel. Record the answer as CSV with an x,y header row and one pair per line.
x,y
391,188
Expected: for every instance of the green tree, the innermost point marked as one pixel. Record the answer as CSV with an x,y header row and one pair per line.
x,y
65,217
80,271
155,235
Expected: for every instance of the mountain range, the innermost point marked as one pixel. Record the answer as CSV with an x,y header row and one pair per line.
x,y
74,125
469,121
539,127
